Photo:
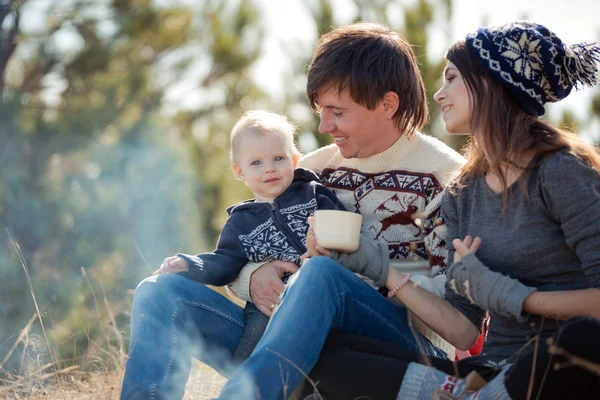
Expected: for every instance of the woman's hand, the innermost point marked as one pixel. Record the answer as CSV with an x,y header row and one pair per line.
x,y
490,290
173,265
465,247
312,249
458,275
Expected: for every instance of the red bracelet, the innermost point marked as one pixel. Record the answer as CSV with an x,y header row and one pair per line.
x,y
399,286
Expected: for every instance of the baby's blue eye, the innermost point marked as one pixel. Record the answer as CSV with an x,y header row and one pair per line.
x,y
279,158
255,162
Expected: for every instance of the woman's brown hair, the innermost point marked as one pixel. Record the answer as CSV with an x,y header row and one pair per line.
x,y
508,132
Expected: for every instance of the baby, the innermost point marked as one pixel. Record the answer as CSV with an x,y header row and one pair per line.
x,y
273,225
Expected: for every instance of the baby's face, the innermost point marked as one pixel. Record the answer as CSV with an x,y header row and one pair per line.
x,y
266,163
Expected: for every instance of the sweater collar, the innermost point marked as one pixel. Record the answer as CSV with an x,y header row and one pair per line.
x,y
382,161
301,177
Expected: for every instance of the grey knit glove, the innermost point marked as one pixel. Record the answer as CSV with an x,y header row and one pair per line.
x,y
490,290
371,259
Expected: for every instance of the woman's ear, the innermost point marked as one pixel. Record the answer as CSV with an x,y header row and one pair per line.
x,y
237,171
295,159
390,103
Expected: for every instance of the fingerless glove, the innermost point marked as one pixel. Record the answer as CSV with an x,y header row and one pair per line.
x,y
371,259
490,290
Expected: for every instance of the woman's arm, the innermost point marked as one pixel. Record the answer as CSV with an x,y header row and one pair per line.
x,y
564,304
435,312
484,284
571,191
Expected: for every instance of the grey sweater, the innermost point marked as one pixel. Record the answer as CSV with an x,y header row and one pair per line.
x,y
549,240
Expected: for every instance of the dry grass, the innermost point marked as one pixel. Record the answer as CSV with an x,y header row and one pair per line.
x,y
95,375
204,383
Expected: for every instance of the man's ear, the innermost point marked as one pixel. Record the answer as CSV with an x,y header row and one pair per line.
x,y
390,103
295,159
237,171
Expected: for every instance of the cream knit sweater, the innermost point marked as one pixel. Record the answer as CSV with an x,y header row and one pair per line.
x,y
398,192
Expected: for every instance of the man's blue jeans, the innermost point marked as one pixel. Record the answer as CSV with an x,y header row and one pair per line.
x,y
323,296
172,319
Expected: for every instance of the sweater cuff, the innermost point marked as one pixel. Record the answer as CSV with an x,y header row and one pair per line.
x,y
241,285
514,301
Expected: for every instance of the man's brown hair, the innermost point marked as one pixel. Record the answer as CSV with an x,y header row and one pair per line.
x,y
370,60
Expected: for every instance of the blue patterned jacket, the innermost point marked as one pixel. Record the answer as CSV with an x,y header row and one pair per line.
x,y
262,232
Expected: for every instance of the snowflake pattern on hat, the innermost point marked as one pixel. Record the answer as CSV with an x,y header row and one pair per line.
x,y
535,65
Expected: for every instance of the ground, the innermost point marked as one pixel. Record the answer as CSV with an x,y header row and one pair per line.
x,y
204,383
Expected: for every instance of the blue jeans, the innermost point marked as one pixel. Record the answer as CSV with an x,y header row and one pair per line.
x,y
255,323
323,296
172,319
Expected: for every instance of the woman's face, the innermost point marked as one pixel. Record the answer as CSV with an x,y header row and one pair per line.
x,y
455,102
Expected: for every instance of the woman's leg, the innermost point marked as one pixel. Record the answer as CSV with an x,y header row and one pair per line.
x,y
554,376
172,319
322,296
537,374
352,366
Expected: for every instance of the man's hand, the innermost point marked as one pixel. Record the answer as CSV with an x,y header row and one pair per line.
x,y
173,265
266,284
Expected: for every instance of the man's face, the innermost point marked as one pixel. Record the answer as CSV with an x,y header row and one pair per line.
x,y
356,130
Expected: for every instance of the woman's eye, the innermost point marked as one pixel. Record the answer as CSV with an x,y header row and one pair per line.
x,y
337,114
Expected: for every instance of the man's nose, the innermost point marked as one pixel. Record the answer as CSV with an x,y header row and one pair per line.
x,y
326,125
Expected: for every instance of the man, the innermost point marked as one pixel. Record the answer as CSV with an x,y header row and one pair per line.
x,y
365,83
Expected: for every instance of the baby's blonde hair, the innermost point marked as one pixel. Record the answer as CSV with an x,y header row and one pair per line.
x,y
261,122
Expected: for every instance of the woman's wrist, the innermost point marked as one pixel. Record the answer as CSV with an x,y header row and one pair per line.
x,y
394,276
400,285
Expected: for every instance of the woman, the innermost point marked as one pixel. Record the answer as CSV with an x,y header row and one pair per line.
x,y
531,192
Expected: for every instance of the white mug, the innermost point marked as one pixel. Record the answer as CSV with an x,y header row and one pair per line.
x,y
337,230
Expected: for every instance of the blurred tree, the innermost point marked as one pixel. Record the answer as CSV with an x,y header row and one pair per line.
x,y
9,26
90,175
568,121
231,39
596,105
299,55
595,114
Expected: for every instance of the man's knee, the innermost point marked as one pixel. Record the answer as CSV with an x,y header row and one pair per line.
x,y
321,268
165,290
321,271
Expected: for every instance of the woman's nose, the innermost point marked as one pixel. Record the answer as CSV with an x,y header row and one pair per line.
x,y
439,96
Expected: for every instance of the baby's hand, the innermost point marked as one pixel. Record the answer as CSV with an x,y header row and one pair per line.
x,y
172,264
312,249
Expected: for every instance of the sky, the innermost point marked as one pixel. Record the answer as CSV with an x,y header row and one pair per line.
x,y
288,23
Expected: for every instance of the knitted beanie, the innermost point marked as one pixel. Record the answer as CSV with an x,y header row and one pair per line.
x,y
533,63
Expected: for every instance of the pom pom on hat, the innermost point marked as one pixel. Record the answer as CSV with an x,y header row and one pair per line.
x,y
533,63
